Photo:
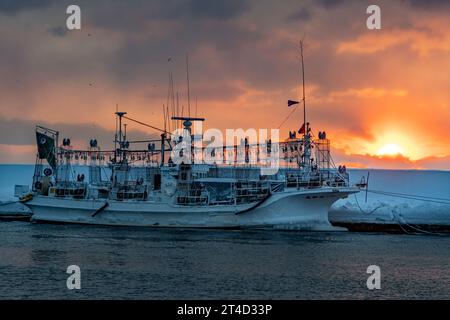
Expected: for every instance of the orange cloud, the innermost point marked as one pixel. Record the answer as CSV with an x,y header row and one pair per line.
x,y
390,161
369,93
17,153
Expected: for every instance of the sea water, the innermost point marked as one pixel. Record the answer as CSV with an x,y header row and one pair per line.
x,y
143,263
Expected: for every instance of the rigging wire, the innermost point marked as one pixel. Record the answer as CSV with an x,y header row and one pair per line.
x,y
403,223
146,125
410,197
289,115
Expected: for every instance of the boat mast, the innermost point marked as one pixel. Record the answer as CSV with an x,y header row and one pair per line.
x,y
188,91
303,83
115,135
306,136
120,115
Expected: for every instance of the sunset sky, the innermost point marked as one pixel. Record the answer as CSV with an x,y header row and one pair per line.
x,y
382,96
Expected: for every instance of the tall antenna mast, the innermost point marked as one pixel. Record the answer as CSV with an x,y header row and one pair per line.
x,y
169,87
168,118
165,119
188,91
178,110
303,78
172,101
115,134
196,106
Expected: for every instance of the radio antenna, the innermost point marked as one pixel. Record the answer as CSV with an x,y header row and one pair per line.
x,y
188,89
303,84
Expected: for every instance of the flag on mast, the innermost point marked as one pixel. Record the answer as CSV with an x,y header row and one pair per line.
x,y
302,129
292,102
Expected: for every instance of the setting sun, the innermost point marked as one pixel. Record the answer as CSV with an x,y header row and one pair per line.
x,y
395,144
390,149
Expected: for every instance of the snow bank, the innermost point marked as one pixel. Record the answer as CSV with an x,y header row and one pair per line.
x,y
382,209
14,209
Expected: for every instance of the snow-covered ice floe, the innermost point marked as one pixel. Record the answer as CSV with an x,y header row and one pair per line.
x,y
392,213
14,210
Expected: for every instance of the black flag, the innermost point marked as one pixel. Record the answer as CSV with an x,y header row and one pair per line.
x,y
292,102
46,148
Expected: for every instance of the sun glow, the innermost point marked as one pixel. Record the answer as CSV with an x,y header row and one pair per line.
x,y
394,144
390,149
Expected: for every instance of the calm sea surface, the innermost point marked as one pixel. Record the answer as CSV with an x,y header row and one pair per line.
x,y
143,263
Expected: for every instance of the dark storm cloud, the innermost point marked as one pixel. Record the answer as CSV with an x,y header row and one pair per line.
x,y
331,3
303,14
153,31
218,9
58,31
131,15
14,6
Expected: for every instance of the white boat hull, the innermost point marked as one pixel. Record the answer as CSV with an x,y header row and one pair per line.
x,y
297,209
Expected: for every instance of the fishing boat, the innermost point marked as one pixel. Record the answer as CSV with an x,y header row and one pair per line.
x,y
136,186
164,194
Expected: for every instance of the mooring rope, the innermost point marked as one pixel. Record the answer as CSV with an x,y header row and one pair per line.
x,y
410,197
357,202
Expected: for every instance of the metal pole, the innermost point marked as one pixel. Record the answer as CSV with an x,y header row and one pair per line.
x,y
163,139
303,78
188,89
367,184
